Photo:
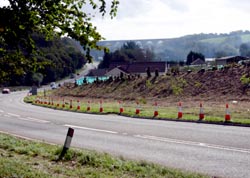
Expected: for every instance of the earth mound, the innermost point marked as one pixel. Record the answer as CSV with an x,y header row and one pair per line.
x,y
228,84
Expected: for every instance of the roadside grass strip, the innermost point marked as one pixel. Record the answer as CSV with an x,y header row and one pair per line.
x,y
25,158
213,112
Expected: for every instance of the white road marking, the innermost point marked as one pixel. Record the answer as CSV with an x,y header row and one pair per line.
x,y
15,115
27,119
91,129
169,140
1,111
37,120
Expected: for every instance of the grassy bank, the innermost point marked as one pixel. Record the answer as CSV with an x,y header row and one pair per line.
x,y
214,111
23,158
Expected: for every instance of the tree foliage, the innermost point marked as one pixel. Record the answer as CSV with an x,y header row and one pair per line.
x,y
245,49
51,18
60,56
192,56
210,45
129,52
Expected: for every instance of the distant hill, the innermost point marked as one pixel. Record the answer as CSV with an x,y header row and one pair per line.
x,y
176,49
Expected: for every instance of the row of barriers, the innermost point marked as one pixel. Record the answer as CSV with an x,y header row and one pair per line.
x,y
136,108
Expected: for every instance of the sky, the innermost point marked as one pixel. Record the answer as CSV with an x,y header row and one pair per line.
x,y
154,19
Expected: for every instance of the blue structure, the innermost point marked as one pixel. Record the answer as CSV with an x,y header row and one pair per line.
x,y
90,79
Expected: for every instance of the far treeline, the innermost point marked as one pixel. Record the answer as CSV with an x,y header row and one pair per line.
x,y
129,52
25,57
176,49
60,58
132,52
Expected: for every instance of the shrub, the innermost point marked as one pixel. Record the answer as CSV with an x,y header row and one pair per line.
x,y
148,72
156,73
245,80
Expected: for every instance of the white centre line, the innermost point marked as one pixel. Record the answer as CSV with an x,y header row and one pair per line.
x,y
26,119
33,120
15,115
169,140
91,129
37,120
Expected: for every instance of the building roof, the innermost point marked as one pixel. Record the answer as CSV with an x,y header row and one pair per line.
x,y
140,67
119,70
122,69
198,62
116,64
97,72
232,57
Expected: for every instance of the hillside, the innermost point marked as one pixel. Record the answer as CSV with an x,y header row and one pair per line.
x,y
176,49
55,59
220,85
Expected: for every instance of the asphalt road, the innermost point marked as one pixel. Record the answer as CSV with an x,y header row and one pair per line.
x,y
216,150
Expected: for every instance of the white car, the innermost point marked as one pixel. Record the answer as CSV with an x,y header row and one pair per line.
x,y
6,91
53,85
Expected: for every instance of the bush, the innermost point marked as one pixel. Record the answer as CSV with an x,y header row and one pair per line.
x,y
156,73
148,72
245,80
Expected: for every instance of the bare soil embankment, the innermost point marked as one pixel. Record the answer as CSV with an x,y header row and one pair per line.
x,y
214,86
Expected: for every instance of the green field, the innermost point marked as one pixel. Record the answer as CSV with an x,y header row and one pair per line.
x,y
244,39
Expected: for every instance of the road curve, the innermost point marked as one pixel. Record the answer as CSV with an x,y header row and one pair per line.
x,y
211,149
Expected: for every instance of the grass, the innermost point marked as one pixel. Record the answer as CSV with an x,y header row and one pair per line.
x,y
214,40
23,158
214,112
244,38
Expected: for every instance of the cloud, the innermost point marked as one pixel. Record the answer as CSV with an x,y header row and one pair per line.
x,y
241,5
131,9
4,3
142,19
178,5
173,18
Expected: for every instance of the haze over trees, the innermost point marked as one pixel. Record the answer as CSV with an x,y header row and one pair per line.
x,y
51,19
245,49
129,52
192,56
176,49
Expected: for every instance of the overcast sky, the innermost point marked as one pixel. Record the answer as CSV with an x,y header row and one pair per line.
x,y
148,19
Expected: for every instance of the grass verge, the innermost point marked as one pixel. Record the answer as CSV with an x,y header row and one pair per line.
x,y
23,158
214,113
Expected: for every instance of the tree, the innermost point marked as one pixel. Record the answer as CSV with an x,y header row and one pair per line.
x,y
129,52
149,55
245,49
51,18
192,56
226,50
37,78
133,51
148,72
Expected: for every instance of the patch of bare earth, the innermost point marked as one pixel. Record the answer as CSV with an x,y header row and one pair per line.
x,y
209,86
